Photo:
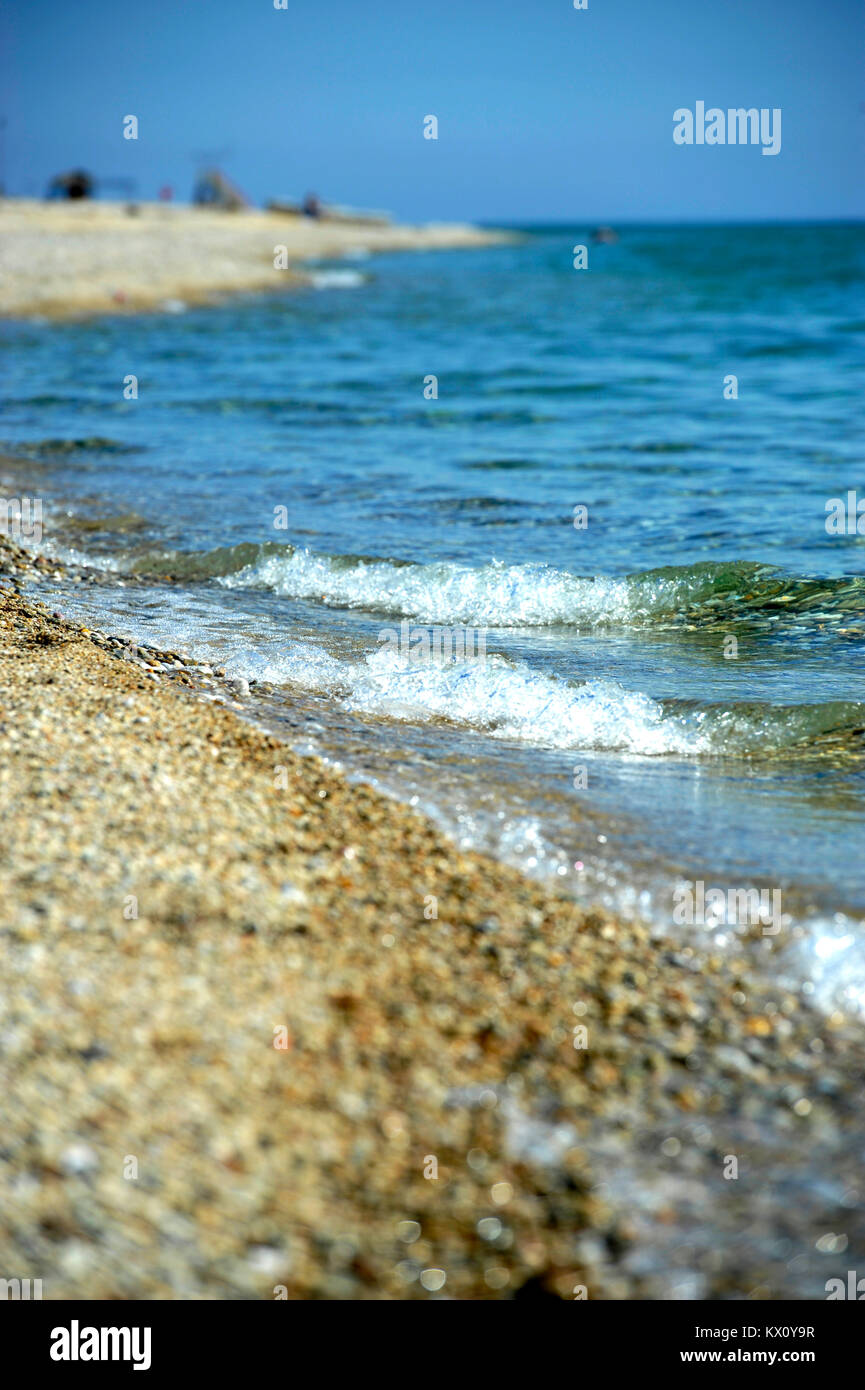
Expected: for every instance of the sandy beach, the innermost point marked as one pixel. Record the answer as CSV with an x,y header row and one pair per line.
x,y
240,1060
70,259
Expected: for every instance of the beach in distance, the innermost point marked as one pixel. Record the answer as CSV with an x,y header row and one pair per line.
x,y
64,259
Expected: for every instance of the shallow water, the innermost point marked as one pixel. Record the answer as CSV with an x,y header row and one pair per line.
x,y
673,693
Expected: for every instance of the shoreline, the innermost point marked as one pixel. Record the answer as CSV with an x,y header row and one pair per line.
x,y
67,260
176,885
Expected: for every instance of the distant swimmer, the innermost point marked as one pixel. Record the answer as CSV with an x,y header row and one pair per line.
x,y
605,235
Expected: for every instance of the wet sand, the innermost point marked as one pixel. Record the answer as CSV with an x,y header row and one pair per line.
x,y
69,259
179,892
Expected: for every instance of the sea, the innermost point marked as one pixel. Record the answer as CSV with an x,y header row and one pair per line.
x,y
551,554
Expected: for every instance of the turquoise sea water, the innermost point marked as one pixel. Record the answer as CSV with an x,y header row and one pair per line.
x,y
673,693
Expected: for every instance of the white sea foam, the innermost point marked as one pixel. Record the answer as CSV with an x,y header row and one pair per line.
x,y
497,697
513,701
494,595
830,955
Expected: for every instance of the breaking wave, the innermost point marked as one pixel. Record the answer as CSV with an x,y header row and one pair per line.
x,y
537,595
513,701
510,700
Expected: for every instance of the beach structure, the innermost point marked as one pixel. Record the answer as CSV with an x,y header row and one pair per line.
x,y
214,189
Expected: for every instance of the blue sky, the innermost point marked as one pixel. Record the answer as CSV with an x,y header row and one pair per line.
x,y
545,113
